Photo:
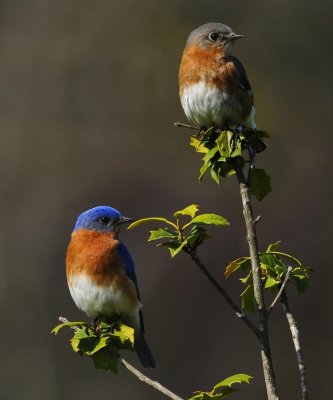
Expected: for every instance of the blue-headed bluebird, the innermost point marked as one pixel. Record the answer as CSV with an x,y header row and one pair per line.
x,y
213,86
101,274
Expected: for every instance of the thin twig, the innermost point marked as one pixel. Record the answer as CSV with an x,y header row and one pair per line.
x,y
257,285
64,320
286,278
240,314
181,125
295,337
154,384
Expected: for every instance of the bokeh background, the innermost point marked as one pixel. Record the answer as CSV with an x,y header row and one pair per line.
x,y
88,96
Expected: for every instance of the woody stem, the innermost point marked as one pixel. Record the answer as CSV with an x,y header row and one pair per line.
x,y
154,384
295,337
257,285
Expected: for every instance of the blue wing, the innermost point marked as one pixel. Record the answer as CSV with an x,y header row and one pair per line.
x,y
130,271
129,264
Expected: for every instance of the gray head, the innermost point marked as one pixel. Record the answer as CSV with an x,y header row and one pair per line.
x,y
213,35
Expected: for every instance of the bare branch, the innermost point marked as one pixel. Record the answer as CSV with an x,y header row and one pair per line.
x,y
286,278
181,125
154,384
295,337
257,284
240,314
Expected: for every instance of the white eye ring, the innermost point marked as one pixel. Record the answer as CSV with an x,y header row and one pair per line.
x,y
213,36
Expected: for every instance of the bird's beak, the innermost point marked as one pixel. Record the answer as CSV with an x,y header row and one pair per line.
x,y
234,36
124,220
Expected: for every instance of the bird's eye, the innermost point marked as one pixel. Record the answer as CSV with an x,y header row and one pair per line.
x,y
104,220
213,36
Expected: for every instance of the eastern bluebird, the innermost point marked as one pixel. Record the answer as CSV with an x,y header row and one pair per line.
x,y
101,273
213,85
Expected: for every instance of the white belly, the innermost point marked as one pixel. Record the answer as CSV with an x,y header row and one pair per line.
x,y
213,107
95,300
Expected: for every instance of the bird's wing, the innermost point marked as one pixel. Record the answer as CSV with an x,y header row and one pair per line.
x,y
243,79
130,271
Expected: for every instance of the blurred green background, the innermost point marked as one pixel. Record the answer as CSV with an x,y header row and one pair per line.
x,y
88,97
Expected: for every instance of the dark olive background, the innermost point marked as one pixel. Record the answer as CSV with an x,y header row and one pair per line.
x,y
88,96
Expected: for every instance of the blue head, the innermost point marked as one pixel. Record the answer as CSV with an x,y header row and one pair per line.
x,y
101,219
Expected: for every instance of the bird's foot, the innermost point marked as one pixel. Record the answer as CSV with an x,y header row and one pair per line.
x,y
201,132
235,138
115,323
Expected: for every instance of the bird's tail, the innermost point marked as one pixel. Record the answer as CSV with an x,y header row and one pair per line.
x,y
256,142
143,352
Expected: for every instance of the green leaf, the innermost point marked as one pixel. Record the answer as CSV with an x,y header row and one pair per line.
x,y
146,220
273,246
271,282
125,334
161,233
98,345
243,262
203,170
260,183
56,329
288,256
106,359
248,299
210,219
223,388
174,247
196,143
246,278
227,169
189,210
238,378
215,172
211,153
223,143
302,282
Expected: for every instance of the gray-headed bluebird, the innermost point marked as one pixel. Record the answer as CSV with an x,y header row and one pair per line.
x,y
101,273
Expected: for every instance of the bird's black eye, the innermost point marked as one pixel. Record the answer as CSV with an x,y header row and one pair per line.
x,y
104,220
213,36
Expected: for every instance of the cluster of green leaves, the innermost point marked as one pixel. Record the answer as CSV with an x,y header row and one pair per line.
x,y
100,342
176,236
223,388
274,266
223,150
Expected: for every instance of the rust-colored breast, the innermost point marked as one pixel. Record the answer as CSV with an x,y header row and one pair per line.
x,y
217,71
198,64
95,255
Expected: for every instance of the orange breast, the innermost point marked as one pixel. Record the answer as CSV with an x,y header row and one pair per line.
x,y
95,255
217,71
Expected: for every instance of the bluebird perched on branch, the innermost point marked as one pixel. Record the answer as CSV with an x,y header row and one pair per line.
x,y
213,85
101,273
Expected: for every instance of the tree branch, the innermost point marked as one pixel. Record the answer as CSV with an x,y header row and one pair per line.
x,y
181,125
240,314
286,278
295,337
257,284
154,384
